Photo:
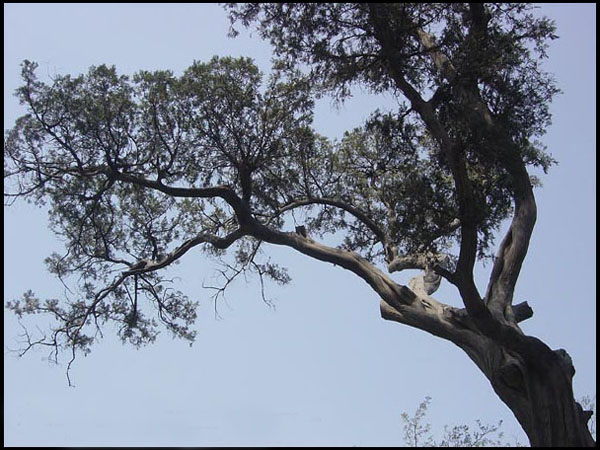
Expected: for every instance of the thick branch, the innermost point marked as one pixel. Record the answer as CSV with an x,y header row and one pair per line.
x,y
215,191
414,261
222,243
391,292
464,191
240,207
435,318
515,244
428,262
382,284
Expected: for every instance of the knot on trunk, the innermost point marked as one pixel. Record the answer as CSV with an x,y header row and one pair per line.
x,y
565,361
586,414
429,281
510,373
301,230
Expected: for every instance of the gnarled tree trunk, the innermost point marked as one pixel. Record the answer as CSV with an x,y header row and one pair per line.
x,y
534,381
538,390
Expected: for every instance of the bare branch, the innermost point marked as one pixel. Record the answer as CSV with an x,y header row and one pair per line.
x,y
201,238
352,261
339,203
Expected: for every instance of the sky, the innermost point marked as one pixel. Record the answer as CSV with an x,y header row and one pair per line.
x,y
322,368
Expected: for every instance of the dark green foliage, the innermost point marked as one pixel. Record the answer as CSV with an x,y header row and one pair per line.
x,y
495,57
215,125
138,169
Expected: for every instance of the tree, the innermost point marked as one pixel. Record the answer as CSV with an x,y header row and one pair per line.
x,y
417,433
415,430
475,98
137,171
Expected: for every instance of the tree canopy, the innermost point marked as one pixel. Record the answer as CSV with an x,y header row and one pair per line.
x,y
137,170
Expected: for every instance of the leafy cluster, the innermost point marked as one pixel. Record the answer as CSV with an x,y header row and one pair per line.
x,y
494,52
216,124
417,433
137,170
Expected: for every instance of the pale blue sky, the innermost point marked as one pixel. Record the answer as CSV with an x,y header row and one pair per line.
x,y
324,368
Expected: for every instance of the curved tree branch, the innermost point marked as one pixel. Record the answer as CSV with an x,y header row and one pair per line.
x,y
351,261
514,246
215,241
338,203
464,193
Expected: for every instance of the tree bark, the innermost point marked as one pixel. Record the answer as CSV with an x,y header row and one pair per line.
x,y
539,392
534,381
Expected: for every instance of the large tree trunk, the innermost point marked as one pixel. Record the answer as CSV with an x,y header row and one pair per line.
x,y
538,391
534,381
